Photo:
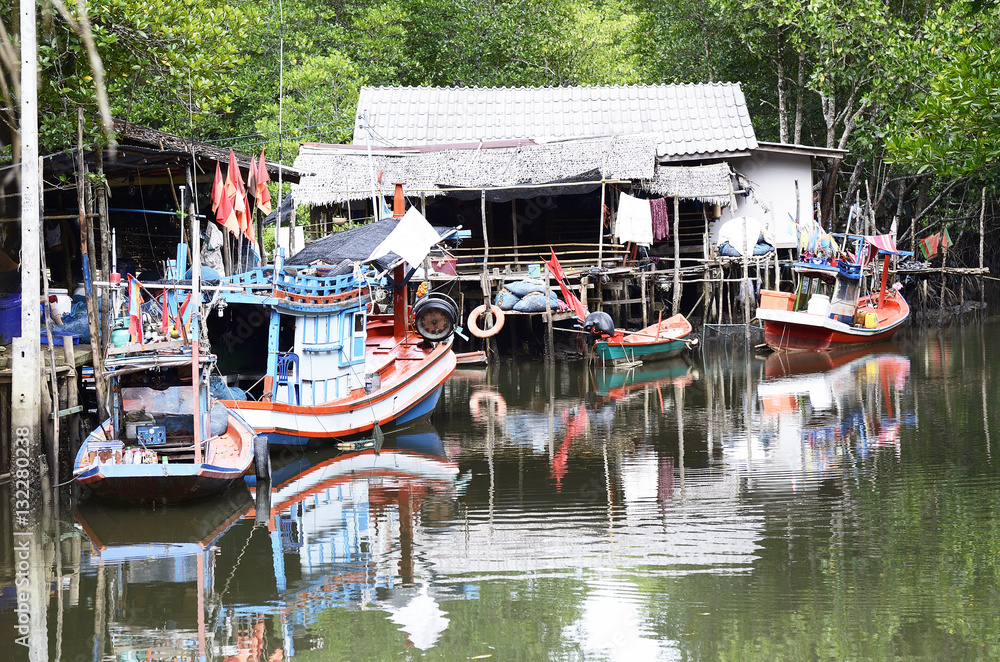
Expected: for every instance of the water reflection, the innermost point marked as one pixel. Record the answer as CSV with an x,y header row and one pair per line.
x,y
156,589
345,529
729,506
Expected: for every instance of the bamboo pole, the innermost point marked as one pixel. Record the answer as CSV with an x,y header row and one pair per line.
x,y
676,306
86,243
982,289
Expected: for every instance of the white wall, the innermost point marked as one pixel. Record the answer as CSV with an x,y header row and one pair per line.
x,y
773,177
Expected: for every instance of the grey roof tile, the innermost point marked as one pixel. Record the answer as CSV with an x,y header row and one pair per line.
x,y
697,118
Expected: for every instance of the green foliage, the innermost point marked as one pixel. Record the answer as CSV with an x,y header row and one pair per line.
x,y
953,128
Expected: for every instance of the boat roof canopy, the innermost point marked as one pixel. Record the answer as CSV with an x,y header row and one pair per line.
x,y
885,243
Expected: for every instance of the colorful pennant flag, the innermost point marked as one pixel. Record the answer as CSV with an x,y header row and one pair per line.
x,y
218,189
252,176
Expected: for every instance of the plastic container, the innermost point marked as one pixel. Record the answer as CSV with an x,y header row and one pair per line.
x,y
871,321
10,317
819,304
775,300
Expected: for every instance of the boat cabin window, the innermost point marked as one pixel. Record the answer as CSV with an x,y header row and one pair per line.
x,y
846,290
358,337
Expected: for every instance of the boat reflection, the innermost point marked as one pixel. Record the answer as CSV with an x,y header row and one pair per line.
x,y
156,575
837,403
345,530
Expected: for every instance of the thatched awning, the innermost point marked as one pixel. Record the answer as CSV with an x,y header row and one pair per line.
x,y
340,173
711,184
513,169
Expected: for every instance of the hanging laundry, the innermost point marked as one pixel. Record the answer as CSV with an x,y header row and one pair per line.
x,y
634,222
930,246
661,219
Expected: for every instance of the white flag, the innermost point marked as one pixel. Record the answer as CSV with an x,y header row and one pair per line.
x,y
411,240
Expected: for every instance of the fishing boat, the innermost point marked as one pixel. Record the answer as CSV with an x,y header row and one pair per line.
x,y
331,363
828,309
666,339
166,440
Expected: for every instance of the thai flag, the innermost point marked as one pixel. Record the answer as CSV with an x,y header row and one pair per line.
x,y
134,310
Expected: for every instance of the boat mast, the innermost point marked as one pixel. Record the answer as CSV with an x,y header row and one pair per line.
x,y
885,278
195,331
399,290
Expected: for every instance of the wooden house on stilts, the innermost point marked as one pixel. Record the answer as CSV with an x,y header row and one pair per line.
x,y
532,170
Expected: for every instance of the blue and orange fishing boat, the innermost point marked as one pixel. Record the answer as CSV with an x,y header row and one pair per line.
x,y
333,365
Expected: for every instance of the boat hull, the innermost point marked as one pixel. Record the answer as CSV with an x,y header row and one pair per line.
x,y
786,330
229,459
412,395
623,353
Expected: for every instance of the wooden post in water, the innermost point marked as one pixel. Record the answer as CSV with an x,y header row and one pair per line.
x,y
982,283
944,263
676,307
547,316
642,296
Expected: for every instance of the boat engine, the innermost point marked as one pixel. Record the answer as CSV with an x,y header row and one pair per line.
x,y
434,317
599,324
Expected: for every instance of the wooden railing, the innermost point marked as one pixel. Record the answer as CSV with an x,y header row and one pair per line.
x,y
520,258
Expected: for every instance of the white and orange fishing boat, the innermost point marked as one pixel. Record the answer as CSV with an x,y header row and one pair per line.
x,y
828,309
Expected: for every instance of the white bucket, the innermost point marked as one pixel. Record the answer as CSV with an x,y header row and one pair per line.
x,y
819,304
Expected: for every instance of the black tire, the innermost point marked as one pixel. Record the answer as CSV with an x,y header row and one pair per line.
x,y
262,459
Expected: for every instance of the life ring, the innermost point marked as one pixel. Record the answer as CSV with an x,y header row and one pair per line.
x,y
472,322
489,398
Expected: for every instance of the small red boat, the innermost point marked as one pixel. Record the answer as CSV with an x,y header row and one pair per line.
x,y
811,320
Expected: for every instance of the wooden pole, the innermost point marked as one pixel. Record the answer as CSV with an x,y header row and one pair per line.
x,y
642,296
982,283
107,259
513,225
86,244
944,277
196,329
600,226
549,342
676,307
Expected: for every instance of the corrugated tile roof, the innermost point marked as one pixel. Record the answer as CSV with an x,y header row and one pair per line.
x,y
685,120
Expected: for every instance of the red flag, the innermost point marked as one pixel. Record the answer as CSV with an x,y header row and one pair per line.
x,y
262,194
165,326
134,310
226,215
571,300
233,181
252,176
218,188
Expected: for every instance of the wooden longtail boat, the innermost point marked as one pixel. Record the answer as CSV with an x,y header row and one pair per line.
x,y
665,339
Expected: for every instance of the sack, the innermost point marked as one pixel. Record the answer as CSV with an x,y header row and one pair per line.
x,y
535,303
523,288
506,300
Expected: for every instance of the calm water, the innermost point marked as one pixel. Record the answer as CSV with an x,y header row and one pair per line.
x,y
725,507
